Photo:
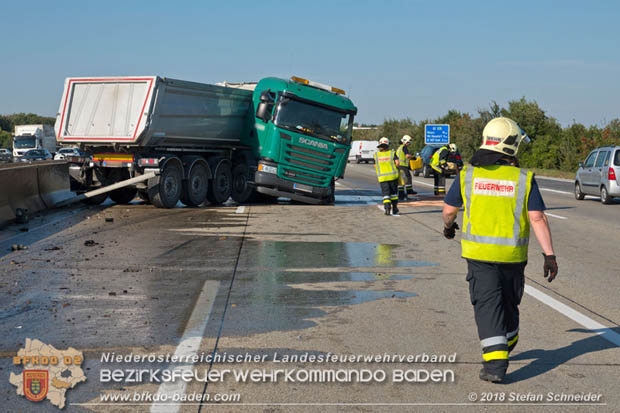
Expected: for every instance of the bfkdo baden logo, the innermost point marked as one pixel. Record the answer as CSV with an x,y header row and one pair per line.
x,y
35,384
48,372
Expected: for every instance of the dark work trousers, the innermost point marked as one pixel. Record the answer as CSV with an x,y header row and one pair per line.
x,y
407,187
496,291
439,182
389,190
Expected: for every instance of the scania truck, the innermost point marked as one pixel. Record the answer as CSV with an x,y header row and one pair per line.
x,y
169,140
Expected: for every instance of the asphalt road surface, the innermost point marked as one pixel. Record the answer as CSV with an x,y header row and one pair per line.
x,y
328,306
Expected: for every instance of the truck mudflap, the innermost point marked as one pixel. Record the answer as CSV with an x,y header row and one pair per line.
x,y
271,184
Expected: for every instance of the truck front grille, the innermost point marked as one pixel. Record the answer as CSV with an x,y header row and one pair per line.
x,y
309,157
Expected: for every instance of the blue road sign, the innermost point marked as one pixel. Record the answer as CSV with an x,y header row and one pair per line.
x,y
436,134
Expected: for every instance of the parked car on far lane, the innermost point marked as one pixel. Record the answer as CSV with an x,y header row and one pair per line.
x,y
65,152
599,174
36,155
5,155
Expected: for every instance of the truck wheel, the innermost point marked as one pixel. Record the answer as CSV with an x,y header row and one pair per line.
x,y
95,200
167,193
144,195
330,199
123,195
241,189
221,183
196,186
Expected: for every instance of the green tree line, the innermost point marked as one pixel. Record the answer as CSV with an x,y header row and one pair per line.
x,y
8,122
552,146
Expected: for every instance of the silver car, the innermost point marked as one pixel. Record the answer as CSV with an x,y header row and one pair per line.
x,y
599,174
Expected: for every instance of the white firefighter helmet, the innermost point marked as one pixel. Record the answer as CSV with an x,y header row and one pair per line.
x,y
406,139
384,141
452,147
503,135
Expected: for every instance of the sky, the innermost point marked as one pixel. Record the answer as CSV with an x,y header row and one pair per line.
x,y
395,59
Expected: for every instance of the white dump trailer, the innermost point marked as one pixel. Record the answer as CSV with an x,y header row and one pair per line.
x,y
190,134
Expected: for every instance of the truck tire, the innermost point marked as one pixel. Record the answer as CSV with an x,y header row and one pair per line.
x,y
221,183
166,194
241,189
195,187
123,195
144,196
330,199
95,200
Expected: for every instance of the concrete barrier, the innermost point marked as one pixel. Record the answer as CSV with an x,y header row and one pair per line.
x,y
54,185
34,187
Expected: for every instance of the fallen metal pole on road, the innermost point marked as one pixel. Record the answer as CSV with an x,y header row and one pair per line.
x,y
108,188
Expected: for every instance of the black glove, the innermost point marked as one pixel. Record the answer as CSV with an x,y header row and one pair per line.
x,y
550,268
450,232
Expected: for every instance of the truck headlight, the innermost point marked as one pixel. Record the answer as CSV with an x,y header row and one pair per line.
x,y
267,169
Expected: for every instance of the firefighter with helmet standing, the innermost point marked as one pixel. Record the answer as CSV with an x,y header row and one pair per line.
x,y
439,161
405,186
386,165
501,202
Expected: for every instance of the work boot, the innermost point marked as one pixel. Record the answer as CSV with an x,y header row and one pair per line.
x,y
492,377
412,192
395,210
388,208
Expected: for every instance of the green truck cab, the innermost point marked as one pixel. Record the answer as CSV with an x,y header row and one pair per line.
x,y
300,134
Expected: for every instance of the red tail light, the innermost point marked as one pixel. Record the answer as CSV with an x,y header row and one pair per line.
x,y
611,175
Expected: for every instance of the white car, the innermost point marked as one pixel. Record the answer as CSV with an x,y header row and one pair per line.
x,y
64,152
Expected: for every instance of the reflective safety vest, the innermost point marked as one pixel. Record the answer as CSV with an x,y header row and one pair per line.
x,y
435,162
402,157
496,226
385,166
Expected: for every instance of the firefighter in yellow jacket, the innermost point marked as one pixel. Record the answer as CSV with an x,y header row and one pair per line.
x,y
405,183
501,202
386,165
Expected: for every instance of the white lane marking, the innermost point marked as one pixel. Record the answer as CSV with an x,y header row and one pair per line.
x,y
240,210
594,326
188,347
555,216
555,190
422,183
549,178
337,183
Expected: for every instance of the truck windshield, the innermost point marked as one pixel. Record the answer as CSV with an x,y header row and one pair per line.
x,y
26,142
314,120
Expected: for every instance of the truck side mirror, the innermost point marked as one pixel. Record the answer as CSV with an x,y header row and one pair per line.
x,y
267,100
263,111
